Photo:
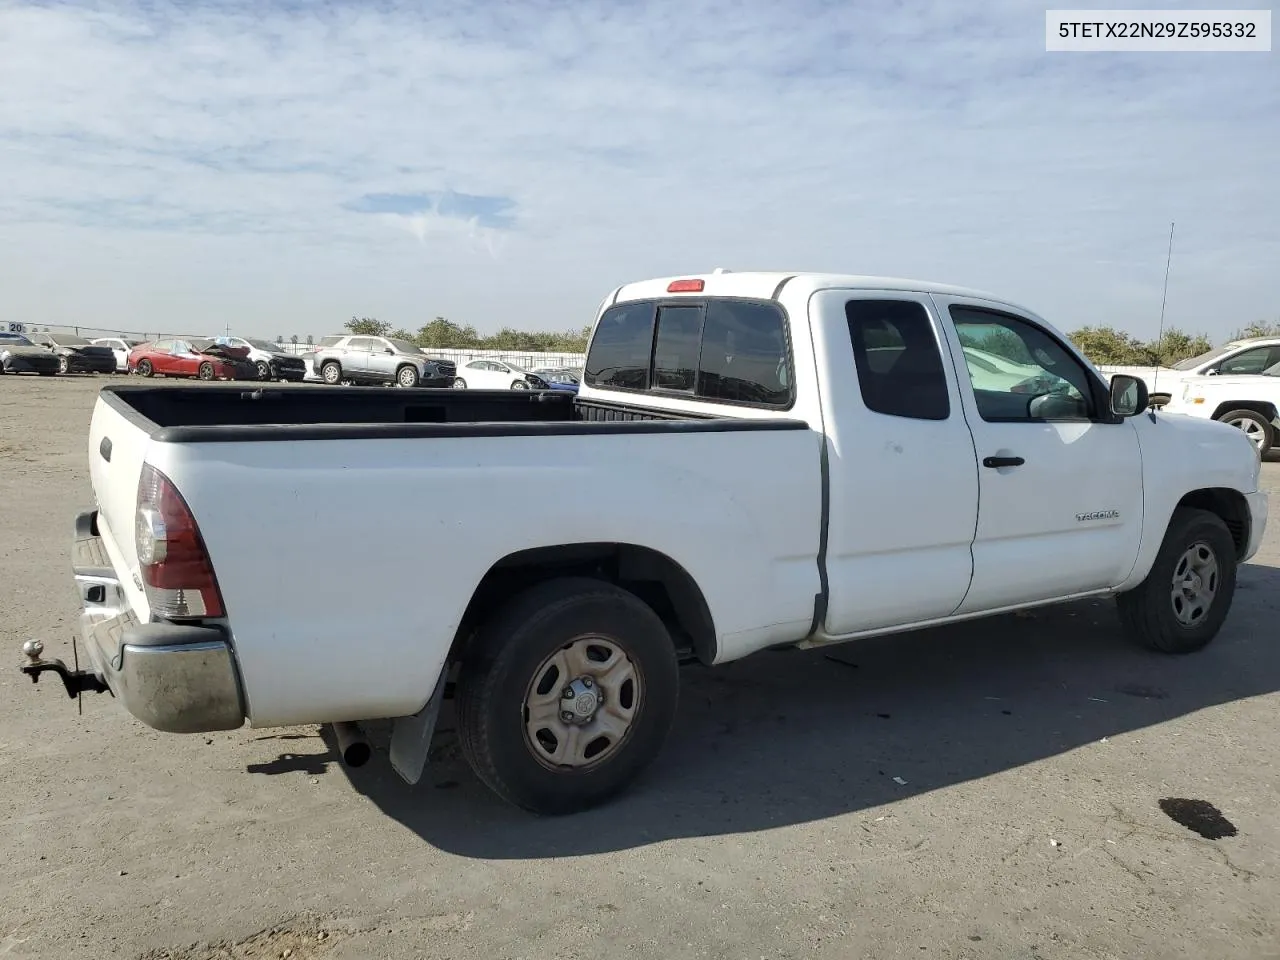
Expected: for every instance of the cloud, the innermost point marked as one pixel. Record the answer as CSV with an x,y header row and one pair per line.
x,y
294,163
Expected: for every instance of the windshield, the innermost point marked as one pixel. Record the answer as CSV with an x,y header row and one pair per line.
x,y
1192,362
404,346
266,345
66,340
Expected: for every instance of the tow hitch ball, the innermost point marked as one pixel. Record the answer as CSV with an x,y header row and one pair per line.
x,y
76,681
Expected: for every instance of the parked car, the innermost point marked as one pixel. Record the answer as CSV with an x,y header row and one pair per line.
x,y
380,360
497,375
1248,402
196,357
271,361
1248,356
558,378
734,475
76,354
20,355
120,347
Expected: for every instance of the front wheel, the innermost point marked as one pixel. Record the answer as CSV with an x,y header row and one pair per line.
x,y
566,695
64,365
519,385
205,371
459,384
264,370
1255,427
1181,605
407,377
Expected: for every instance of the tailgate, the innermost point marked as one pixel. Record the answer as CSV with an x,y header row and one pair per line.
x,y
117,447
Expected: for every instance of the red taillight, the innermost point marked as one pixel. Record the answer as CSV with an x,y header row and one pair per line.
x,y
176,571
685,286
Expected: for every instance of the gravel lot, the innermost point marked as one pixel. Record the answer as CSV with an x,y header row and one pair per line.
x,y
985,791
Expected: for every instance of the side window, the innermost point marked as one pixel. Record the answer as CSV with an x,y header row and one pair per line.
x,y
744,354
1249,361
898,360
621,347
675,349
1018,371
365,344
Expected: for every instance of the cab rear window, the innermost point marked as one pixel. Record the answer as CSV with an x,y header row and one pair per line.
x,y
719,350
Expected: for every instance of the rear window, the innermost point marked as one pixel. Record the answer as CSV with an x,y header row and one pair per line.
x,y
724,351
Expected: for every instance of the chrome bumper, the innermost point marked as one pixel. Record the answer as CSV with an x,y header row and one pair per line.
x,y
173,677
1257,522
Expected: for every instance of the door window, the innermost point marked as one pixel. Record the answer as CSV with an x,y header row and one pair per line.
x,y
1250,361
1018,371
362,344
898,360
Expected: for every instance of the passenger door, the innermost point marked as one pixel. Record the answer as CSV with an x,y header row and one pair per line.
x,y
184,361
1060,506
902,475
356,356
382,364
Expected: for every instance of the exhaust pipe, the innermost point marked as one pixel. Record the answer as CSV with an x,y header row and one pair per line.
x,y
353,747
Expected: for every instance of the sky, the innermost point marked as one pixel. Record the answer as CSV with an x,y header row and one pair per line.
x,y
277,167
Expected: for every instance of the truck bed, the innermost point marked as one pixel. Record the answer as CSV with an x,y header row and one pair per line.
x,y
233,413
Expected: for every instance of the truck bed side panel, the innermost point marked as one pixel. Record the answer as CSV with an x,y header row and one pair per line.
x,y
346,566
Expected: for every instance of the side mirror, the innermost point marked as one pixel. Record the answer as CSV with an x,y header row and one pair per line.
x,y
1129,396
1211,372
387,350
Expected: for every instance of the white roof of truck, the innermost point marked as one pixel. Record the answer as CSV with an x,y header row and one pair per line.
x,y
762,284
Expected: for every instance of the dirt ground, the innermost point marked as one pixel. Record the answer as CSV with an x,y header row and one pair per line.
x,y
985,791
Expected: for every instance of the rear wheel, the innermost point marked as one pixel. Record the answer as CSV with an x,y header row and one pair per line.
x,y
459,384
407,376
1255,427
1181,605
145,369
205,371
331,373
566,695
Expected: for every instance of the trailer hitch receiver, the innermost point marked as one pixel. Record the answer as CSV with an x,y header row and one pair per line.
x,y
75,680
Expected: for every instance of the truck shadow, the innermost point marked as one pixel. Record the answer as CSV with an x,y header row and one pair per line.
x,y
789,737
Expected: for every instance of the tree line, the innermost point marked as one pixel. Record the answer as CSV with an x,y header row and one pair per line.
x,y
1101,344
442,333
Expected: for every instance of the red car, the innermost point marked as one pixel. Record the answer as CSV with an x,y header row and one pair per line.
x,y
196,357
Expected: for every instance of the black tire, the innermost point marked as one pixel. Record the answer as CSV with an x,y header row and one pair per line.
x,y
145,369
205,371
502,662
331,373
64,365
459,383
264,370
519,385
407,376
1148,610
1255,426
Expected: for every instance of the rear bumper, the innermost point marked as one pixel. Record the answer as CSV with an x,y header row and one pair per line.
x,y
172,677
1257,522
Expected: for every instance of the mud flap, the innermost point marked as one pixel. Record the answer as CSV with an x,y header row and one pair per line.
x,y
411,736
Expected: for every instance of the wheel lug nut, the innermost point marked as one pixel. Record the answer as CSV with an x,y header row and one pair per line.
x,y
566,716
586,681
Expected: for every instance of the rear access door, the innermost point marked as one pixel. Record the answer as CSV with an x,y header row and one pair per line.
x,y
901,472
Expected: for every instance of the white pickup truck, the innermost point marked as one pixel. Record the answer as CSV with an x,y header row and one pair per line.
x,y
1249,402
754,460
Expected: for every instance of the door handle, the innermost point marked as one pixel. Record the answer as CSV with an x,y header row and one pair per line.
x,y
997,462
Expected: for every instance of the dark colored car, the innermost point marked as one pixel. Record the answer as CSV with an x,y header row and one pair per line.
x,y
272,362
558,378
76,354
20,355
196,357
